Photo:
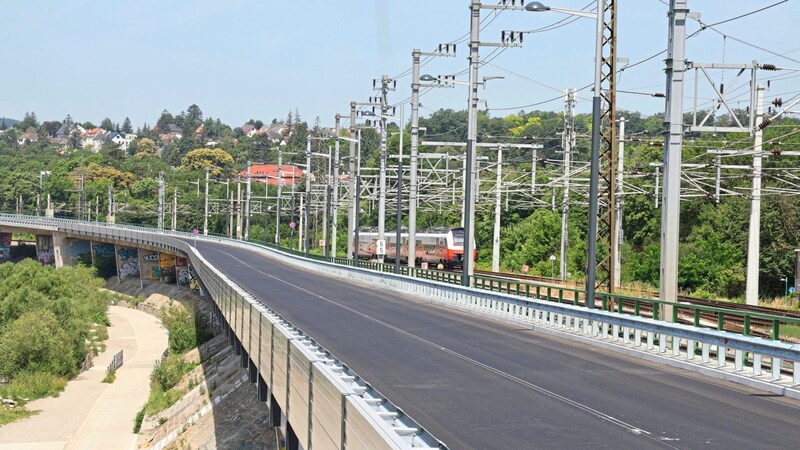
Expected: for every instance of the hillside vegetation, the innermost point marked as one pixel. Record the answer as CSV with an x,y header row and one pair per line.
x,y
48,318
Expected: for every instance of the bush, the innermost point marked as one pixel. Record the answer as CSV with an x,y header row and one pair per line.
x,y
32,385
45,318
168,372
186,329
35,343
137,422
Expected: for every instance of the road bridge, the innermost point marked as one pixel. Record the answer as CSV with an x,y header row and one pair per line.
x,y
472,382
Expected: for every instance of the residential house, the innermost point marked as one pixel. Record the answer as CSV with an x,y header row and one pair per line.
x,y
268,173
170,134
123,140
249,130
27,138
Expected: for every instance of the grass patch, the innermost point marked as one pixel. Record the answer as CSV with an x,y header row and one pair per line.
x,y
160,400
137,422
165,376
791,331
111,375
8,415
32,385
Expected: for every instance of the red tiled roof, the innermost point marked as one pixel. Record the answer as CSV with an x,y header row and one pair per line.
x,y
269,173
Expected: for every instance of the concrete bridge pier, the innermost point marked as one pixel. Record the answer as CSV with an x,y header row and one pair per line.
x,y
60,250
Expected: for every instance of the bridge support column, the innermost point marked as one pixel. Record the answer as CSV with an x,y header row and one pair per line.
x,y
60,250
263,389
292,443
253,370
274,411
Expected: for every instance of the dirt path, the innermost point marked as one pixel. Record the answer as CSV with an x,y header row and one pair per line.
x,y
90,414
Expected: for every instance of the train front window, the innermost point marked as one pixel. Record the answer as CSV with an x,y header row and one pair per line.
x,y
458,237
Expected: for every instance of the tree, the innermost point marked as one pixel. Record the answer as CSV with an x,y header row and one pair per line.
x,y
107,124
95,172
289,121
217,159
194,116
146,148
126,126
165,119
88,125
30,121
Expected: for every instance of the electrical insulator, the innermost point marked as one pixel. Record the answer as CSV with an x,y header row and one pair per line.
x,y
778,102
776,150
764,124
769,67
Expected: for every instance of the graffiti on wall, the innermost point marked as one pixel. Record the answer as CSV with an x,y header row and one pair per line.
x,y
5,247
128,260
47,257
182,275
150,266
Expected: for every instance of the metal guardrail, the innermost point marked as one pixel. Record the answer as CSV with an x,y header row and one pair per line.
x,y
116,363
327,403
774,365
724,318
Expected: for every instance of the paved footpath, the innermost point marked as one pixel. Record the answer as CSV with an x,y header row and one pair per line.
x,y
90,414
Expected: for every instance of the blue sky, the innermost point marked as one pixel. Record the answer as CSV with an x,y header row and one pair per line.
x,y
239,59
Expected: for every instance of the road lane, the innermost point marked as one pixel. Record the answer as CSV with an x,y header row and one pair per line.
x,y
476,383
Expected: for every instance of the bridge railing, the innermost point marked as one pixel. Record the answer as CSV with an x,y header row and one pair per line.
x,y
744,322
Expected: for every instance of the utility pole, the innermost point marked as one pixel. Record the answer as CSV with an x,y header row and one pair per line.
x,y
472,133
618,219
230,216
534,158
161,188
175,208
247,205
335,202
673,146
399,219
412,180
239,209
509,40
569,144
205,208
413,188
384,88
306,239
278,204
353,196
754,233
497,206
110,217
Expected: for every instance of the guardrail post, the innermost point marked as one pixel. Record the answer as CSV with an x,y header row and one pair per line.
x,y
776,369
757,364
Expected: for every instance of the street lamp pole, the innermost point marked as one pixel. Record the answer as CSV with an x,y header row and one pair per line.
x,y
594,177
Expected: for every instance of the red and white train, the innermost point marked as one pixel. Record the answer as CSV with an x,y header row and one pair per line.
x,y
444,247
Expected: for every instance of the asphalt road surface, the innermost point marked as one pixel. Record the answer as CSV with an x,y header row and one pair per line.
x,y
476,383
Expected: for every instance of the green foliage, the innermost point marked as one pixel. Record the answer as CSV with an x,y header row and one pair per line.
x,y
45,320
166,374
33,385
111,375
137,422
8,415
186,329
